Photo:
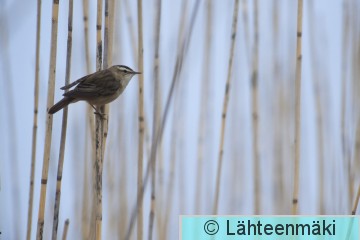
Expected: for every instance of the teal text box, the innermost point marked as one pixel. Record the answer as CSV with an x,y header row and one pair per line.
x,y
269,227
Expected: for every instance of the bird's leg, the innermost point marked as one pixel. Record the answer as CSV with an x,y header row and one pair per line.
x,y
102,115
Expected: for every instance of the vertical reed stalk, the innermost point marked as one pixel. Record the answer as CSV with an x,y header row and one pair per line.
x,y
49,120
66,228
353,212
355,76
86,35
35,121
319,111
356,159
297,139
64,127
345,138
255,110
170,188
344,68
356,203
98,169
351,224
245,16
141,122
99,131
156,114
279,192
90,114
87,231
131,26
204,93
111,30
225,106
352,161
123,179
107,61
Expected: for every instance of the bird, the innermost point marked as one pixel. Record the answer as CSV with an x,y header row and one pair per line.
x,y
98,88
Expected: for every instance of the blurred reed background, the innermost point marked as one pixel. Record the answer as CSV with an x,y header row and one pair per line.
x,y
222,111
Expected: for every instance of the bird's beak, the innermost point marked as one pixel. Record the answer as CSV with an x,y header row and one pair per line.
x,y
136,72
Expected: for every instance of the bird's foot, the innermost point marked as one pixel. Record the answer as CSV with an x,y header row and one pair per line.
x,y
101,115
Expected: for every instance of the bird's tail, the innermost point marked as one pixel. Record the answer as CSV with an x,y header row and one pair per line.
x,y
60,105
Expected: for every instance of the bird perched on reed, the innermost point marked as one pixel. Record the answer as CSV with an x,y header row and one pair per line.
x,y
98,88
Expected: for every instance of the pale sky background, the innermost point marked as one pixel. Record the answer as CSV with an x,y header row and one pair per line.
x,y
17,60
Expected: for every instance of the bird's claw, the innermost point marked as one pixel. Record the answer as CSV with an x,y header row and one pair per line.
x,y
101,115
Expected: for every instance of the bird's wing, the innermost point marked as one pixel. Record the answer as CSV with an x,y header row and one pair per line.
x,y
92,86
76,82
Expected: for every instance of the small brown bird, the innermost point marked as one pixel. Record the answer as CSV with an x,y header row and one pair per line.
x,y
98,88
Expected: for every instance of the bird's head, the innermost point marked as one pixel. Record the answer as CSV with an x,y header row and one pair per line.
x,y
124,72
